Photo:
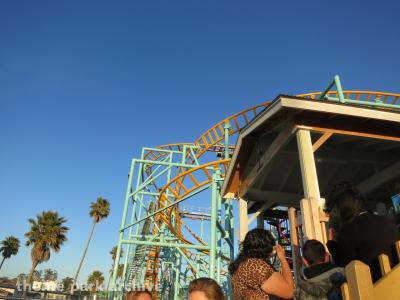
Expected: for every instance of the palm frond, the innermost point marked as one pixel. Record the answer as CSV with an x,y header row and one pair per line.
x,y
100,209
10,246
47,233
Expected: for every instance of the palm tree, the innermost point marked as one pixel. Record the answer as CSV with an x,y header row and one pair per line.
x,y
50,275
10,246
67,283
99,210
120,271
95,280
37,275
113,253
47,233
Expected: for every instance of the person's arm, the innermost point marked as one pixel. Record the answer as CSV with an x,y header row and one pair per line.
x,y
286,272
280,284
342,250
333,247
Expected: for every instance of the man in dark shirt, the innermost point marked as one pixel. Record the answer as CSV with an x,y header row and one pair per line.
x,y
363,235
365,239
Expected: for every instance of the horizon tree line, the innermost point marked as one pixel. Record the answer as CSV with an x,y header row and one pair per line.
x,y
48,234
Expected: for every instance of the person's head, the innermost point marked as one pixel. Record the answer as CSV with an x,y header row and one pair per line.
x,y
138,295
258,243
314,253
348,200
205,289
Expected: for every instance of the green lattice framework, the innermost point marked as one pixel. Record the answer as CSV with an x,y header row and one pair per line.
x,y
160,248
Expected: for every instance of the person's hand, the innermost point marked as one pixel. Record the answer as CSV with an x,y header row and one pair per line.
x,y
280,252
331,234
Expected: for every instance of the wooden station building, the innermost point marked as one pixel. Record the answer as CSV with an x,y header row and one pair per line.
x,y
297,149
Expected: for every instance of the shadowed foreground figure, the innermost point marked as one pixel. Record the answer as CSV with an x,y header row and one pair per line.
x,y
362,235
205,289
252,276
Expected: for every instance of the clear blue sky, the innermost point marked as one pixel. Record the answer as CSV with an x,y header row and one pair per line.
x,y
85,84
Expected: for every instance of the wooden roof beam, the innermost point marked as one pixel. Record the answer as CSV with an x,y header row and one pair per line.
x,y
373,135
261,164
321,140
281,198
380,178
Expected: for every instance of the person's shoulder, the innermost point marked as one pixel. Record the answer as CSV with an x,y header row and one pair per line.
x,y
321,271
254,272
367,219
372,219
254,261
253,264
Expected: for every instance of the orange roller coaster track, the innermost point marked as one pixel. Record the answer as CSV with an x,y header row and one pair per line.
x,y
193,175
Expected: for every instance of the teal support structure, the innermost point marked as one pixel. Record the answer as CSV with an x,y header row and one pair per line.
x,y
177,277
213,227
226,140
153,253
165,245
342,99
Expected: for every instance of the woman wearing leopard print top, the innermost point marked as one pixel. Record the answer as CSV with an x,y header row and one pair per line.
x,y
252,276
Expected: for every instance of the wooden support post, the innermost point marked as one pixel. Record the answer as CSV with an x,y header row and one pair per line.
x,y
324,235
324,219
307,164
359,281
345,291
310,206
243,220
306,222
310,219
294,240
316,224
384,264
260,221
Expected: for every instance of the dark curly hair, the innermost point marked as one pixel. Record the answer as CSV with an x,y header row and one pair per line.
x,y
258,243
348,200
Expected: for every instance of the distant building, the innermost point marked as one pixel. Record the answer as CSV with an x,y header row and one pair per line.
x,y
6,291
7,287
45,285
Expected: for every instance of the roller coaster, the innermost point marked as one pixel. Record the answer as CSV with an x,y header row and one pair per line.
x,y
175,225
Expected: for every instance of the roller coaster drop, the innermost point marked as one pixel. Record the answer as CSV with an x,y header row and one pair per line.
x,y
165,245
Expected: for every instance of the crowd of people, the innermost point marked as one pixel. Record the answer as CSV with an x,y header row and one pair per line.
x,y
355,234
